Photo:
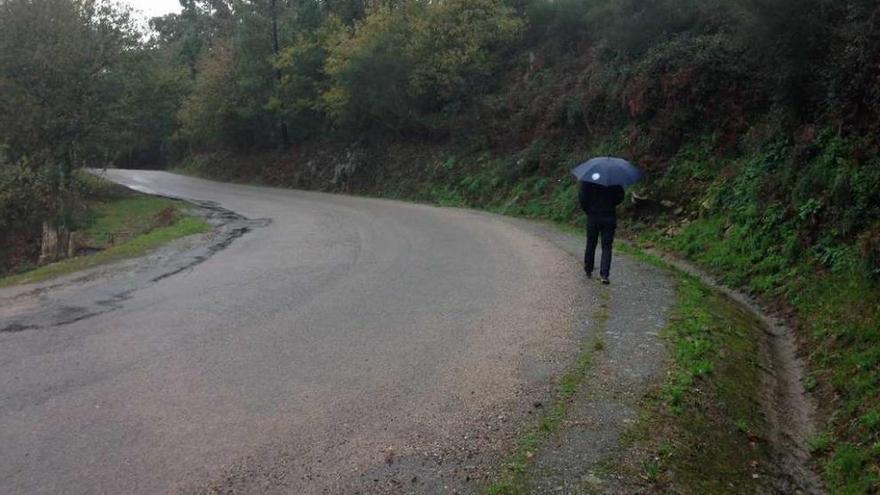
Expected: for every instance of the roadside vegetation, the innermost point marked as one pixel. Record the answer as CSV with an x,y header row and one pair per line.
x,y
112,225
755,120
704,429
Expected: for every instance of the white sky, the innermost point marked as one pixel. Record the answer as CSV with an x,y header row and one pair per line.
x,y
154,8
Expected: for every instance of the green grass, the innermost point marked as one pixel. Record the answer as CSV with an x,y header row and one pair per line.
x,y
698,426
122,225
821,276
124,216
838,308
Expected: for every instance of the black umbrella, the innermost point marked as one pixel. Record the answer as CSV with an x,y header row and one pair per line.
x,y
607,171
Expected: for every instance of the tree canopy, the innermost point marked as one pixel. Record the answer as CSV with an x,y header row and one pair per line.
x,y
81,83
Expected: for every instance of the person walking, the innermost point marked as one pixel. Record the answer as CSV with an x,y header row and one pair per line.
x,y
601,190
600,205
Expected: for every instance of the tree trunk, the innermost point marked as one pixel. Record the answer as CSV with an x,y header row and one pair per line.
x,y
285,139
55,243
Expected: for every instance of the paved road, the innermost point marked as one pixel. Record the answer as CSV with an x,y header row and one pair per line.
x,y
349,345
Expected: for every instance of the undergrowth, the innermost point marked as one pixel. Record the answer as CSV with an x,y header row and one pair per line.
x,y
799,257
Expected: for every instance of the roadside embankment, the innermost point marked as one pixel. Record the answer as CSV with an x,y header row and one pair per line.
x,y
113,224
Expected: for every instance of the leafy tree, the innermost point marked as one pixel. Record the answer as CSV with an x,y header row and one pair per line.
x,y
347,11
192,31
212,114
142,121
558,26
369,66
632,27
254,41
61,70
457,46
415,56
67,72
304,80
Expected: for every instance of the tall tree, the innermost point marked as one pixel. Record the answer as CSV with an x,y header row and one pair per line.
x,y
61,68
191,32
282,124
63,72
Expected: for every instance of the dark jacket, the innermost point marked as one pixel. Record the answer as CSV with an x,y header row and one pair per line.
x,y
600,202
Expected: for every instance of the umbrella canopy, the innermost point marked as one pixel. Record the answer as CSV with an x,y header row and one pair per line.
x,y
607,171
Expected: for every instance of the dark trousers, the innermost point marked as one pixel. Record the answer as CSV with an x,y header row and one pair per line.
x,y
594,229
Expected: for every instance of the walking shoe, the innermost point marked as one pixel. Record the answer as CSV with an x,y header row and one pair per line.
x,y
605,281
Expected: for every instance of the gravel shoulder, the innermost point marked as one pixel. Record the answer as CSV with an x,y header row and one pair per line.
x,y
621,326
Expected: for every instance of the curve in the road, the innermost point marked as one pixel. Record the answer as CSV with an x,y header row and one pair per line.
x,y
350,340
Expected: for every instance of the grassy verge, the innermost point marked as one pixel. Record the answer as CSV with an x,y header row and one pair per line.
x,y
513,478
118,224
838,312
703,430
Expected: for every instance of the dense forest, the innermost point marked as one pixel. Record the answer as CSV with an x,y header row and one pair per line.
x,y
755,120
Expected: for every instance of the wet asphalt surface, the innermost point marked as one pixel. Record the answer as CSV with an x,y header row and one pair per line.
x,y
312,344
